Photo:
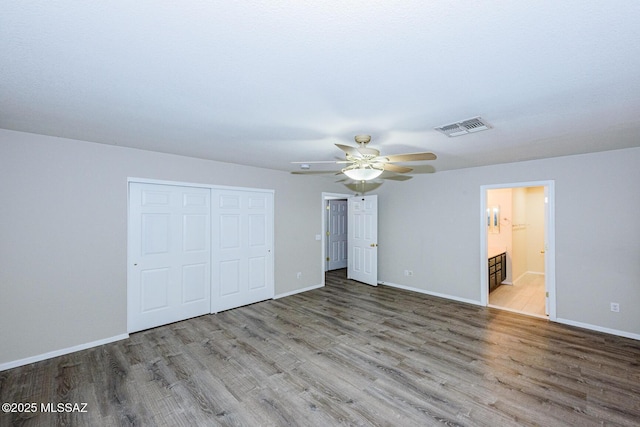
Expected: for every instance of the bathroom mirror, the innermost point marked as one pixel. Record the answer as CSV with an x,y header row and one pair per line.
x,y
493,219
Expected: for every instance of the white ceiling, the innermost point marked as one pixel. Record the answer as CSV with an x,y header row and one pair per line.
x,y
265,83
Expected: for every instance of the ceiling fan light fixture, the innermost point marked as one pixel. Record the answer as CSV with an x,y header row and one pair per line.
x,y
365,163
362,173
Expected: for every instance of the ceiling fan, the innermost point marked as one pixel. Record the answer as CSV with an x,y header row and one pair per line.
x,y
365,163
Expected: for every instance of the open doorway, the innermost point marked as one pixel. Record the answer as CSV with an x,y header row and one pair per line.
x,y
336,234
329,200
361,231
518,250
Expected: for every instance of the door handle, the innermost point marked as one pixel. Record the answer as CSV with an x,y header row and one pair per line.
x,y
373,245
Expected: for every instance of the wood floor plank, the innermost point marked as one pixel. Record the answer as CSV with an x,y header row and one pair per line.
x,y
344,354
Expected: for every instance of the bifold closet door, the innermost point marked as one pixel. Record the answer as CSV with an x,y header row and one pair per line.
x,y
169,272
242,227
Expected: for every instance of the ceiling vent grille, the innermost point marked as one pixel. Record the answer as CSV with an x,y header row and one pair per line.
x,y
464,127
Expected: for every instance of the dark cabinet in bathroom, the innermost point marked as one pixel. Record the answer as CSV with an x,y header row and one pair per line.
x,y
497,270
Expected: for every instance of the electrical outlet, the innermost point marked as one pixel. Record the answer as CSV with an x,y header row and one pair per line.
x,y
408,272
615,307
298,274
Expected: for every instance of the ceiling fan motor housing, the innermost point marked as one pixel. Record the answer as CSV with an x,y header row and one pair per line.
x,y
363,139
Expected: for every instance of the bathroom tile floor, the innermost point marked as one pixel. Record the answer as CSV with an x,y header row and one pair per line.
x,y
527,295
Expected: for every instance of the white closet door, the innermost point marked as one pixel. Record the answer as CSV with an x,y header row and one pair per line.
x,y
169,254
242,226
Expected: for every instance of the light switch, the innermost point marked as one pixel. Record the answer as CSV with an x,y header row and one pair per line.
x,y
318,237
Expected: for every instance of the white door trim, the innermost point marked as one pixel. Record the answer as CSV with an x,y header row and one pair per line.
x,y
550,239
193,184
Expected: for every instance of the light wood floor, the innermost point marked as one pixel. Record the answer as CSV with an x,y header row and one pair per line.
x,y
345,354
527,295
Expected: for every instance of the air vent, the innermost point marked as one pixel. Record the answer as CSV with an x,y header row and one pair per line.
x,y
464,127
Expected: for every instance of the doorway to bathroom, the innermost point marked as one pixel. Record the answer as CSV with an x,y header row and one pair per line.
x,y
518,248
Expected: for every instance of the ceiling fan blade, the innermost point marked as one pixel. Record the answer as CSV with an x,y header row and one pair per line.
x,y
353,151
396,168
311,172
398,177
410,157
321,161
366,151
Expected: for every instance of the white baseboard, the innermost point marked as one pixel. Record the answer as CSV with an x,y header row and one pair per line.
x,y
598,328
557,320
297,291
435,294
61,352
525,273
517,279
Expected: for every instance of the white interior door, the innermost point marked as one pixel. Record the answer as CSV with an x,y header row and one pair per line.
x,y
337,234
242,249
169,254
363,239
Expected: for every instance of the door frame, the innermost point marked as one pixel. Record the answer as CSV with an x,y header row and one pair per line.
x,y
323,236
549,237
328,232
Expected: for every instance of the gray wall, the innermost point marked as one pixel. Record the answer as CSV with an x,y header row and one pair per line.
x,y
63,234
431,225
64,223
